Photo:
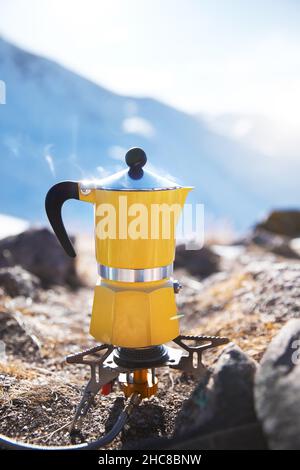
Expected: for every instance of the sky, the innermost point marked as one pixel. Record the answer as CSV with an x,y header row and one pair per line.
x,y
202,56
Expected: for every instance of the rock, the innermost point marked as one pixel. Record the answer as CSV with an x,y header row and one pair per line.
x,y
38,251
295,245
223,400
278,244
277,389
276,233
282,222
246,437
276,290
16,281
199,263
16,338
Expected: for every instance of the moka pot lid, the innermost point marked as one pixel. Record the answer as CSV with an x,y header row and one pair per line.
x,y
134,178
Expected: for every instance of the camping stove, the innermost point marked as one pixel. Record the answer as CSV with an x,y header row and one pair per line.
x,y
134,369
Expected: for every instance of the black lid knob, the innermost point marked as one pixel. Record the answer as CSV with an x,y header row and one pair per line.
x,y
135,158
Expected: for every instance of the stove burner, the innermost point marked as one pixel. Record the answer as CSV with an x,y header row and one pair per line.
x,y
133,358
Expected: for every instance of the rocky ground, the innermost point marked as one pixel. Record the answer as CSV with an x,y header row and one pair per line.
x,y
249,293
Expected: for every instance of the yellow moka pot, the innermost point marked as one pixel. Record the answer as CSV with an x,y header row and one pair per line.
x,y
136,212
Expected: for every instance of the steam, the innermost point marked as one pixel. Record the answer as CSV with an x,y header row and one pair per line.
x,y
138,125
49,159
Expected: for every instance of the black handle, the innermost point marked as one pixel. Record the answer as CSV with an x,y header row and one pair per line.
x,y
56,196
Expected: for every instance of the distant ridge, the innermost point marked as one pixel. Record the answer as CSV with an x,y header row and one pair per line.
x,y
57,125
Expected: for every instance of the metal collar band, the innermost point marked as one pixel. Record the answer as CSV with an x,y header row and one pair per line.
x,y
135,275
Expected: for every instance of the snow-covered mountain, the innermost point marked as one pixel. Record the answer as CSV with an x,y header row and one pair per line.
x,y
56,125
11,225
271,137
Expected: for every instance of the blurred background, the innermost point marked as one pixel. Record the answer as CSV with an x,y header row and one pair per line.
x,y
210,90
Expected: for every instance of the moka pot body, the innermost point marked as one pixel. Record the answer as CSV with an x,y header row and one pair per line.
x,y
130,309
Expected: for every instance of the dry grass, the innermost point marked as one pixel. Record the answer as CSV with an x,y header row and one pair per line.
x,y
18,370
34,392
224,292
223,309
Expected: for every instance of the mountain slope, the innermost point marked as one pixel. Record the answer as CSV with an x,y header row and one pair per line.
x,y
57,125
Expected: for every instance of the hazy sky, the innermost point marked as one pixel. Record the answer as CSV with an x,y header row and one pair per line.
x,y
209,56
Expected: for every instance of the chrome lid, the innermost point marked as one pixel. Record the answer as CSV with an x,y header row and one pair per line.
x,y
134,178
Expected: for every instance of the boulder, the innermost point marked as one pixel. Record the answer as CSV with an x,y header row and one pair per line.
x,y
39,252
277,389
282,222
200,263
16,338
16,281
278,244
223,400
246,437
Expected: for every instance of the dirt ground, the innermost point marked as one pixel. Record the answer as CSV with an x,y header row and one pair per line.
x,y
39,391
